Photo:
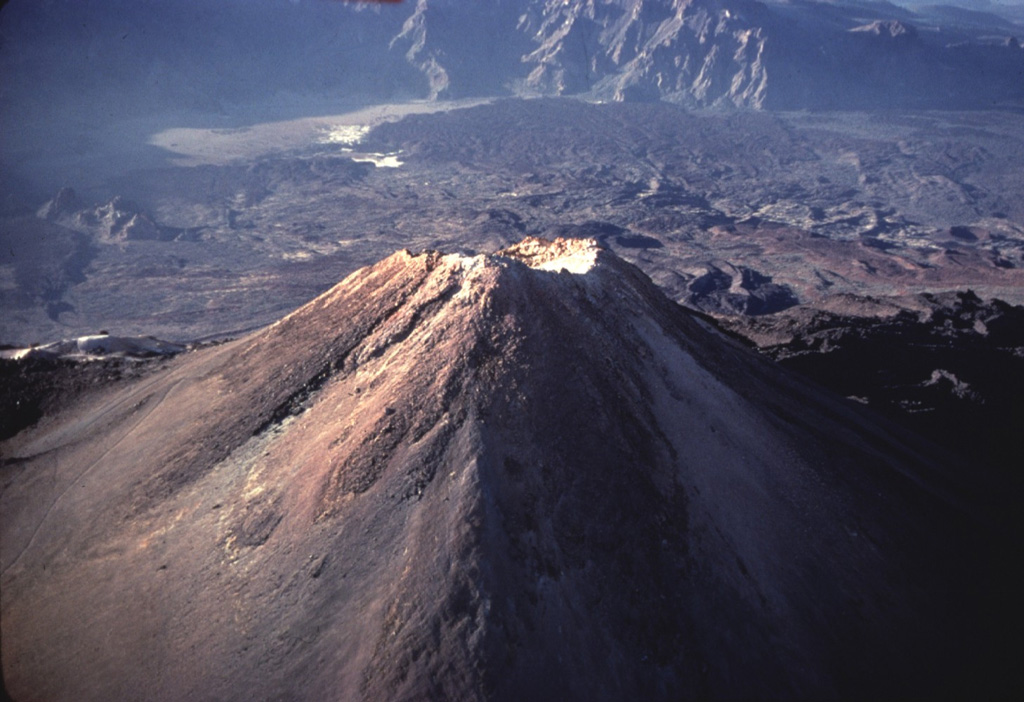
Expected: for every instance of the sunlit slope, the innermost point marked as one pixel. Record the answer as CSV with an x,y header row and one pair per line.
x,y
513,476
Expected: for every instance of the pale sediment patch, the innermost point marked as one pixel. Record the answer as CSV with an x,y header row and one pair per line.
x,y
345,134
195,147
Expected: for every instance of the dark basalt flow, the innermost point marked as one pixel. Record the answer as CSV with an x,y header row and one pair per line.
x,y
522,475
950,366
738,291
36,387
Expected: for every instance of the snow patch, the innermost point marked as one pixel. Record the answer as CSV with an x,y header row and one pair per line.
x,y
379,160
97,346
345,134
577,263
576,256
468,263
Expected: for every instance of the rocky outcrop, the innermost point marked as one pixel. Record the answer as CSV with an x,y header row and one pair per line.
x,y
949,365
891,29
64,204
732,53
115,221
728,289
690,52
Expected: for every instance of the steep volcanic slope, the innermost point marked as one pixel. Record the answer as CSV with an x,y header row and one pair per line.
x,y
519,476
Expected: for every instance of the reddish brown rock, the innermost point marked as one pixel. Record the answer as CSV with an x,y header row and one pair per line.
x,y
518,476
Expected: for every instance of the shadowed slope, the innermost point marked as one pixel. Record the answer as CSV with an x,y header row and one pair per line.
x,y
501,477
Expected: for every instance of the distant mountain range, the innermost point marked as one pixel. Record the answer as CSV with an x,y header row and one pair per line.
x,y
139,55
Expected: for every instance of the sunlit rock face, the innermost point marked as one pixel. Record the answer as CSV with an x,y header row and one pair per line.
x,y
721,53
519,475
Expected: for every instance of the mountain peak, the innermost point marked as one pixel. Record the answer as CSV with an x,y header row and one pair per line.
x,y
479,478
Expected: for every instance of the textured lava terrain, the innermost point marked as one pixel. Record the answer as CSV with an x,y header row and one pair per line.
x,y
949,366
729,213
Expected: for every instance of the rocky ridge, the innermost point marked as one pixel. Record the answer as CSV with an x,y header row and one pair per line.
x,y
725,53
732,53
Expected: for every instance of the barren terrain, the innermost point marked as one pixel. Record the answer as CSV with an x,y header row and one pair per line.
x,y
728,212
678,353
525,475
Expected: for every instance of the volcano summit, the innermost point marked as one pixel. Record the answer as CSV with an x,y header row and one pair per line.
x,y
525,475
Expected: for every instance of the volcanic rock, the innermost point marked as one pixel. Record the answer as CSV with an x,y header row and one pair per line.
x,y
892,29
119,220
526,475
949,365
64,204
116,221
727,289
